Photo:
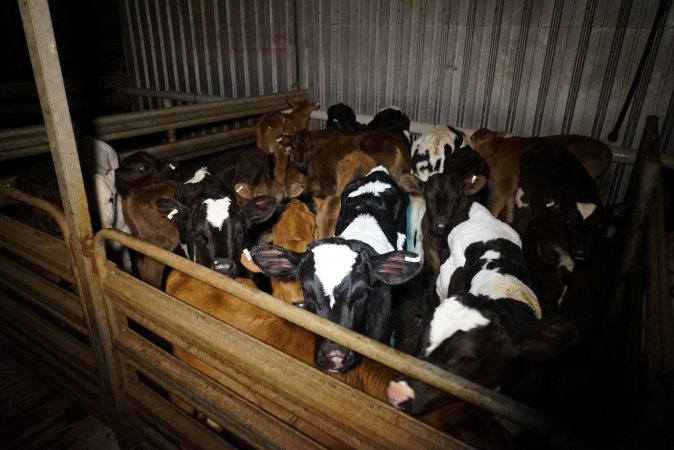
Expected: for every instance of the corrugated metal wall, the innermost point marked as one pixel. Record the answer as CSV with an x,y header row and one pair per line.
x,y
523,66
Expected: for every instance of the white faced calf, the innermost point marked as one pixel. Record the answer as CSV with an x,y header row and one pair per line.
x,y
348,279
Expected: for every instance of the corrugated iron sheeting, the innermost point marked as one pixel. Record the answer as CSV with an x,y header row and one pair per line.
x,y
522,66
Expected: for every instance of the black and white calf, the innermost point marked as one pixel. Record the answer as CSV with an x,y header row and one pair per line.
x,y
559,213
347,279
212,224
489,316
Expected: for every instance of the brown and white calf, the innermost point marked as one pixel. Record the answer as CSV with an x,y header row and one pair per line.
x,y
489,317
503,154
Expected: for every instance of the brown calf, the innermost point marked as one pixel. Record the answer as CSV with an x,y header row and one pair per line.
x,y
273,125
503,153
316,153
142,179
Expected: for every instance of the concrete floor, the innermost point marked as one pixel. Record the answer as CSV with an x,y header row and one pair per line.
x,y
34,415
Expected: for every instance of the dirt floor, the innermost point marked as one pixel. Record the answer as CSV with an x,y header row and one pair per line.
x,y
36,416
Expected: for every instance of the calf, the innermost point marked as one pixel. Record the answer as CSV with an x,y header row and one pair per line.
x,y
348,279
316,154
559,208
429,153
489,316
393,120
141,180
355,164
212,224
294,230
430,150
272,125
342,118
447,198
247,170
503,154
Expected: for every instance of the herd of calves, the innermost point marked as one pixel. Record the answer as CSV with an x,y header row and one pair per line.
x,y
334,220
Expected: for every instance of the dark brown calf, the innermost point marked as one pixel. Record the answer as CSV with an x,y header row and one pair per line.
x,y
316,153
503,154
142,179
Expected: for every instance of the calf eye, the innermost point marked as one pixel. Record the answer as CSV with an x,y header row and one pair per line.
x,y
468,361
142,168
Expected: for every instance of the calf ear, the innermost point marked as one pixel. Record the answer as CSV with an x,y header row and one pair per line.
x,y
411,184
396,267
474,184
172,209
259,209
276,262
544,339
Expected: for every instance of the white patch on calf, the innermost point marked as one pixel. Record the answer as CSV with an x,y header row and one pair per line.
x,y
365,228
172,213
586,209
332,263
518,198
217,211
374,187
198,176
449,317
481,226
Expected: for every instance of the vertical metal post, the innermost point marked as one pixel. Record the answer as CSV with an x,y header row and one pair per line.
x,y
49,80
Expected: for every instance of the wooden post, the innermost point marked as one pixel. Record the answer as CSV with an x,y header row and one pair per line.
x,y
49,80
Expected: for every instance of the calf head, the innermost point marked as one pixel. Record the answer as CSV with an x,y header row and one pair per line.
x,y
212,224
390,119
468,337
141,169
342,118
573,223
298,118
344,281
301,146
447,195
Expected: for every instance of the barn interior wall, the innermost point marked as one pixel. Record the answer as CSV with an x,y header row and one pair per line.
x,y
524,66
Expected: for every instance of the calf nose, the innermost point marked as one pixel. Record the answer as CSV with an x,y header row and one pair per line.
x,y
225,266
439,227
